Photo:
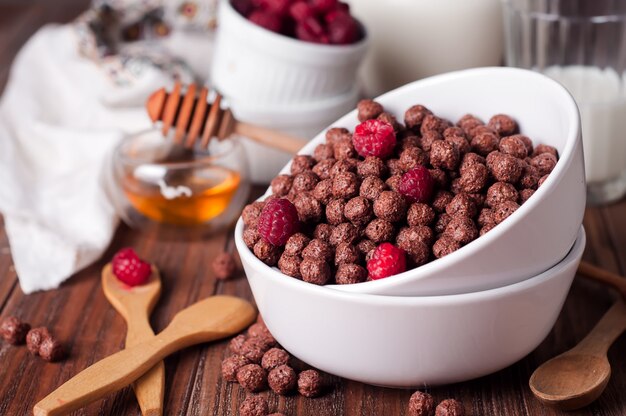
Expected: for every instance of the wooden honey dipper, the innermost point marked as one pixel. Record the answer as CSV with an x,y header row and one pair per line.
x,y
194,118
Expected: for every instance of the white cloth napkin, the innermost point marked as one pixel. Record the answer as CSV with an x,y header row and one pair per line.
x,y
60,118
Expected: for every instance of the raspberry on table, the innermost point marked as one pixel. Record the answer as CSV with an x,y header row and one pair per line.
x,y
417,184
129,268
278,221
374,138
386,261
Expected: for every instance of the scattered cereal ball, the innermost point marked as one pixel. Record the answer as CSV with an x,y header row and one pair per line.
x,y
371,187
441,200
503,210
428,138
393,166
444,246
345,185
530,176
393,183
379,230
450,407
309,209
505,168
253,350
254,406
35,337
304,181
318,249
524,194
413,241
461,143
421,404
544,163
274,357
231,365
485,217
342,166
366,247
462,229
346,253
51,350
391,120
500,192
315,271
266,252
323,151
281,185
469,122
514,146
387,260
349,273
13,330
250,237
310,383
344,149
444,155
290,265
371,166
358,210
474,178
337,133
462,204
301,163
544,148
251,212
484,143
236,344
282,379
344,233
503,124
224,266
433,123
259,330
368,109
414,116
324,168
390,206
323,231
252,377
470,159
412,157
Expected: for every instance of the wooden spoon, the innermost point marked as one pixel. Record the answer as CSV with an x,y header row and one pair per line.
x,y
208,320
577,377
616,281
135,304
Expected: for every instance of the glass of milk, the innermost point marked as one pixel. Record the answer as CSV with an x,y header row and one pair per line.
x,y
581,44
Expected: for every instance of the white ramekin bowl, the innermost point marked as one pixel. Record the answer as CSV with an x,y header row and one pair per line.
x,y
537,235
409,341
261,66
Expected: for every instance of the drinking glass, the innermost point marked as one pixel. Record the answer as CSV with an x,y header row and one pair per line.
x,y
581,44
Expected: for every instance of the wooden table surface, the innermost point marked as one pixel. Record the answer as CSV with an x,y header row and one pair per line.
x,y
79,314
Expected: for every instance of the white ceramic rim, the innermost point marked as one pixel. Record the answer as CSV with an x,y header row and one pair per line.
x,y
565,159
385,300
289,45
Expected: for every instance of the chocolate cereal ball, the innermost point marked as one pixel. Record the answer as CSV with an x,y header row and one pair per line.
x,y
296,243
310,383
414,245
274,357
391,119
504,168
343,233
544,163
345,185
358,210
335,134
450,407
323,168
51,350
254,406
524,194
530,176
462,229
35,337
13,330
251,212
428,138
484,143
379,230
503,125
301,163
420,214
414,116
474,178
500,192
231,365
252,377
514,146
334,212
441,200
412,157
281,185
444,155
305,181
250,237
349,273
371,166
253,350
236,344
323,151
318,249
366,247
282,379
259,330
503,210
368,109
309,209
346,253
371,187
315,271
433,123
461,143
544,148
444,246
224,266
393,182
462,204
421,404
266,252
390,206
323,231
344,149
323,191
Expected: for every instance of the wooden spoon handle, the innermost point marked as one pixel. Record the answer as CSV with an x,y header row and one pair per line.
x,y
269,137
603,276
606,331
149,388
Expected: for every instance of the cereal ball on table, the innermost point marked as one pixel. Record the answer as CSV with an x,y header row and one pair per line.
x,y
310,383
13,330
252,377
421,404
450,407
231,365
254,406
282,379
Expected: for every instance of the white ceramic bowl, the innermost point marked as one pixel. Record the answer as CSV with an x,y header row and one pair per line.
x,y
260,66
304,120
541,231
409,341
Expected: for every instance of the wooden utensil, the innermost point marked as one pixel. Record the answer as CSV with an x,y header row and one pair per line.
x,y
135,304
208,320
200,115
577,377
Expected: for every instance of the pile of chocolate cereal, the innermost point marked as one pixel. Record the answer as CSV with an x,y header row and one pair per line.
x,y
389,196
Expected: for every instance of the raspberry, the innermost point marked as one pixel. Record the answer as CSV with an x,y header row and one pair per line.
x,y
343,30
266,20
279,7
374,138
129,268
417,184
386,261
311,30
301,11
278,221
323,6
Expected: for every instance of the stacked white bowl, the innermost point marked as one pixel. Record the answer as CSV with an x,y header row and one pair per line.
x,y
474,311
283,83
